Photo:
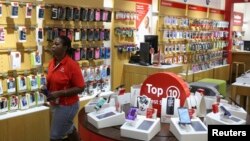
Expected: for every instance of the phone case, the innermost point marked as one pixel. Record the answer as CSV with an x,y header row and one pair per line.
x,y
102,32
77,55
76,14
97,53
63,32
70,33
84,53
90,53
13,102
69,14
41,12
84,14
106,34
91,14
97,15
61,13
84,34
90,34
54,13
96,34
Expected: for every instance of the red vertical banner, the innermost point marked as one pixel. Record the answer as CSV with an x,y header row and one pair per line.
x,y
238,18
141,10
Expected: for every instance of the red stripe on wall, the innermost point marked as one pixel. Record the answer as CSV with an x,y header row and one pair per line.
x,y
167,3
197,8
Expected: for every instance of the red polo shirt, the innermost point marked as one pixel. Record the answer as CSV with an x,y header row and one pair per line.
x,y
67,74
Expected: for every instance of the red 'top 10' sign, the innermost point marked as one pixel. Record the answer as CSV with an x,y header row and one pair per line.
x,y
162,85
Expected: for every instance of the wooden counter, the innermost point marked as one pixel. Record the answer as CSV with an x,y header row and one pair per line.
x,y
135,74
25,125
241,56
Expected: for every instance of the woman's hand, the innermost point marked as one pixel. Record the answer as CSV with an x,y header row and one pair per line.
x,y
53,96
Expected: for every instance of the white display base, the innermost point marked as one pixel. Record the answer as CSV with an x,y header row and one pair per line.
x,y
236,111
165,118
188,133
127,130
108,121
210,100
215,119
90,106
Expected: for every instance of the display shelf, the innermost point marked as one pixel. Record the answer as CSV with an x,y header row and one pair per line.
x,y
22,112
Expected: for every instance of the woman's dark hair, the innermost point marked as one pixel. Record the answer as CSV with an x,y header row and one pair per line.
x,y
66,42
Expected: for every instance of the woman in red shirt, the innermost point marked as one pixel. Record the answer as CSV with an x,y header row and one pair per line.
x,y
64,83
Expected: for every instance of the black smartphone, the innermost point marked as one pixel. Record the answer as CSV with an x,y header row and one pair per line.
x,y
184,117
170,106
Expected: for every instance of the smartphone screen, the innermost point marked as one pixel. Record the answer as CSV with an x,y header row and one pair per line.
x,y
170,106
105,115
184,116
145,125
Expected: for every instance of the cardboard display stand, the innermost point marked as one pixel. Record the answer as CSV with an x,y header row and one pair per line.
x,y
189,132
143,129
106,118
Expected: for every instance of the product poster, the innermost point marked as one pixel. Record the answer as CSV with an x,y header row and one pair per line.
x,y
15,60
28,10
2,35
22,31
143,21
39,34
40,12
1,9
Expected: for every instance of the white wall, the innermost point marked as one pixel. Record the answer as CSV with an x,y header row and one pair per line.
x,y
218,4
243,8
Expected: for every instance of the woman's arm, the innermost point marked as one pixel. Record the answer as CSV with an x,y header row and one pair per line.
x,y
68,92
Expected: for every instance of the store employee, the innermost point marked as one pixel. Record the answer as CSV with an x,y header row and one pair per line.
x,y
64,82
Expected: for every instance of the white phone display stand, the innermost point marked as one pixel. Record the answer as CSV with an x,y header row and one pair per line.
x,y
143,129
167,111
196,131
106,118
220,119
236,110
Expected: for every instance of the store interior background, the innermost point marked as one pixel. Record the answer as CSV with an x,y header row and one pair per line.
x,y
117,61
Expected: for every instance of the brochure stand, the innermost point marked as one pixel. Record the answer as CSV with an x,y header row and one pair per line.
x,y
169,111
106,118
218,119
143,128
196,131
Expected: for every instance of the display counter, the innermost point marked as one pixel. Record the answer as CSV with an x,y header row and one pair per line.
x,y
89,133
136,74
